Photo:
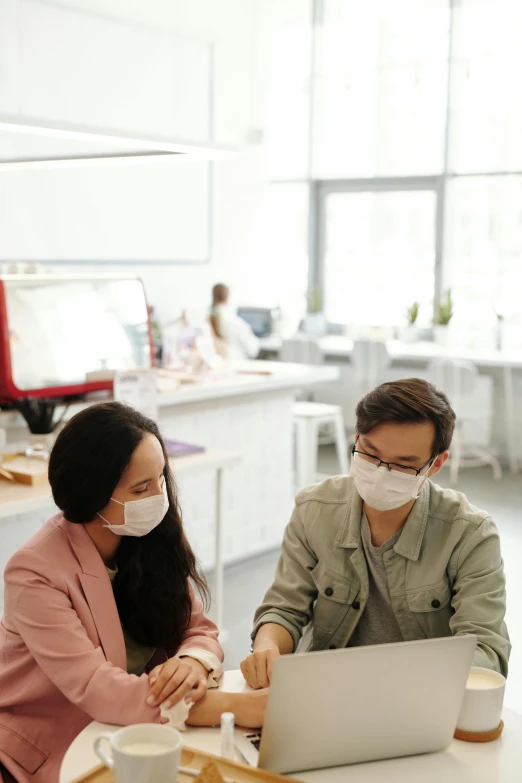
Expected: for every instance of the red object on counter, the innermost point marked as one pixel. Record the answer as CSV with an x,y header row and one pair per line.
x,y
9,391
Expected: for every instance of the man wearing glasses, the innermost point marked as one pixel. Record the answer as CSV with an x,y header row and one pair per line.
x,y
385,554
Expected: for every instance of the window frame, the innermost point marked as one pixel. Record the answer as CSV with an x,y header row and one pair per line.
x,y
321,189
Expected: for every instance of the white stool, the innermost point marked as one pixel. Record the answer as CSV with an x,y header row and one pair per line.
x,y
308,416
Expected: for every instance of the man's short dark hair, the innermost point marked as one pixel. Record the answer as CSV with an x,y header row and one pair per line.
x,y
411,401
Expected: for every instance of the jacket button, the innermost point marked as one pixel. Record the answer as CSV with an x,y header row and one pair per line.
x,y
356,605
328,591
332,647
435,603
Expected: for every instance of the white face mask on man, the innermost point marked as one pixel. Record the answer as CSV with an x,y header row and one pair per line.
x,y
140,516
383,489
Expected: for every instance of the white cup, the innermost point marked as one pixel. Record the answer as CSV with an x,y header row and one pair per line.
x,y
144,753
481,709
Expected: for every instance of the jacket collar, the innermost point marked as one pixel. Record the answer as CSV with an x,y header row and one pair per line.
x,y
97,589
349,533
410,540
84,548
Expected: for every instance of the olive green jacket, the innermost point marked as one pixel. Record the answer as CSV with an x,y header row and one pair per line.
x,y
445,573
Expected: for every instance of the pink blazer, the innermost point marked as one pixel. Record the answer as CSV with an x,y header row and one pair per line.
x,y
62,654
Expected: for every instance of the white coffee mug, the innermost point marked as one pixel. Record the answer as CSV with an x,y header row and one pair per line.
x,y
481,709
144,753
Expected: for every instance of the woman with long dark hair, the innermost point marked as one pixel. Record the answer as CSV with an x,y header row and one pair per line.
x,y
102,621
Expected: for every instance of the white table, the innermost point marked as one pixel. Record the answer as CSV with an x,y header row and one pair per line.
x,y
340,347
20,498
462,762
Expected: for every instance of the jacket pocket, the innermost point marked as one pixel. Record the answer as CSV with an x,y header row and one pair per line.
x,y
431,608
28,756
334,597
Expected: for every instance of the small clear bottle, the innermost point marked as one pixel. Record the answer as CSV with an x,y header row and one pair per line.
x,y
228,748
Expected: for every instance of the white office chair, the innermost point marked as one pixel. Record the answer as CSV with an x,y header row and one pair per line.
x,y
301,350
458,379
370,359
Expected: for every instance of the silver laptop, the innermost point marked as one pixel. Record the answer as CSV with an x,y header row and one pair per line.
x,y
327,709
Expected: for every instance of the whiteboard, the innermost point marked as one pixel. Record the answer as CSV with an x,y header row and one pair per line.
x,y
155,212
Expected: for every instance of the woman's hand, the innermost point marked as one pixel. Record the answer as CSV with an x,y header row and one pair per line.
x,y
250,709
173,680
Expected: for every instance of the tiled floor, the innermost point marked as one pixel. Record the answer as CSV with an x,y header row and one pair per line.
x,y
245,583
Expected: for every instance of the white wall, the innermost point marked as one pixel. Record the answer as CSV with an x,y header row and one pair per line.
x,y
259,230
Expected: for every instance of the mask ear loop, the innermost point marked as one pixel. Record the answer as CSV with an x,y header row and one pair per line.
x,y
430,464
105,520
425,476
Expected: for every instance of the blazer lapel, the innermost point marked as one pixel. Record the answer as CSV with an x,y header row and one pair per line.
x,y
98,592
97,589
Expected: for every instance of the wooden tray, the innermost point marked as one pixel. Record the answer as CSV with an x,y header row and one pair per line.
x,y
479,736
27,470
240,773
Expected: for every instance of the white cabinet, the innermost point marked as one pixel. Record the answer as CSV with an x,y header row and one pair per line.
x,y
9,56
88,69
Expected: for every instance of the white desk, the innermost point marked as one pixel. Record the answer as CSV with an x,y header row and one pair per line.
x,y
462,762
340,348
20,498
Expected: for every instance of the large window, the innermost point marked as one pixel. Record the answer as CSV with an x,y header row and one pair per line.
x,y
402,91
380,88
484,248
382,242
486,87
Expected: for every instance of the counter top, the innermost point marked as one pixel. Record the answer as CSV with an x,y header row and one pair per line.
x,y
240,379
245,378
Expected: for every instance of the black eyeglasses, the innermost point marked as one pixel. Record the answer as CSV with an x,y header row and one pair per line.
x,y
376,462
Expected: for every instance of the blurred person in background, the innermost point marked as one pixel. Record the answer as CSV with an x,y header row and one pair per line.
x,y
235,338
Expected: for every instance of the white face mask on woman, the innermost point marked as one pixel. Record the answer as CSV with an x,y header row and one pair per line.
x,y
141,516
383,489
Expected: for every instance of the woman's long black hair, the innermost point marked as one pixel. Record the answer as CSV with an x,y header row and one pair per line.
x,y
152,584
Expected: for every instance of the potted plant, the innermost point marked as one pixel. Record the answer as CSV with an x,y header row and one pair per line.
x,y
443,316
314,324
410,332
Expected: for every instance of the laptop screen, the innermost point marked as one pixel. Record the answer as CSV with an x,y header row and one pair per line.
x,y
258,318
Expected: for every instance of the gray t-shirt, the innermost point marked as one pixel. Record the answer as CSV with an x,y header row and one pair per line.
x,y
377,624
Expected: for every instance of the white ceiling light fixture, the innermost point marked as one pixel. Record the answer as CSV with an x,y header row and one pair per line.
x,y
106,147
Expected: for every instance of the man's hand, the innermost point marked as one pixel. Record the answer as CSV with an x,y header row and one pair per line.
x,y
257,668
